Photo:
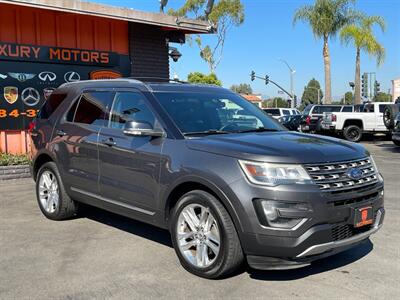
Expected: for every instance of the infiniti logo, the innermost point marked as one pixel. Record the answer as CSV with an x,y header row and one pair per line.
x,y
71,76
47,76
30,96
354,173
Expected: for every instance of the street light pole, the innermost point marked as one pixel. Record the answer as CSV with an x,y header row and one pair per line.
x,y
291,81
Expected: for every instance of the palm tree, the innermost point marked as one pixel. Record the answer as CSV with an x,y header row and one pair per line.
x,y
326,18
361,36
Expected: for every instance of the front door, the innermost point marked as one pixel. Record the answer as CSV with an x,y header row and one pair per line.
x,y
130,165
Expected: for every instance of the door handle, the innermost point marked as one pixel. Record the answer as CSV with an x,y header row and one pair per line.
x,y
61,133
109,142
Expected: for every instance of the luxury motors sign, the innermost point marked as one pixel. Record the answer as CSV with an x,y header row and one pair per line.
x,y
58,55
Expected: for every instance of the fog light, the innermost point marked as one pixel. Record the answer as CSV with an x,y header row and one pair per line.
x,y
285,215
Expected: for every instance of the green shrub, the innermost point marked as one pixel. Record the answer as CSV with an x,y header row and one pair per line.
x,y
13,159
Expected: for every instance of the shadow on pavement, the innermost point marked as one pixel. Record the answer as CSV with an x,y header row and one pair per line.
x,y
389,147
138,228
319,266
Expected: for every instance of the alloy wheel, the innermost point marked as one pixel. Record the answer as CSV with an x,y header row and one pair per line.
x,y
198,234
49,195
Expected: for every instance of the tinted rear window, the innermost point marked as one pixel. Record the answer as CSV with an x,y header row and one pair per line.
x,y
347,109
51,105
273,112
320,109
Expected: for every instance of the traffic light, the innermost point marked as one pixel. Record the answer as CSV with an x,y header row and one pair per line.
x,y
266,79
364,85
289,103
253,75
377,87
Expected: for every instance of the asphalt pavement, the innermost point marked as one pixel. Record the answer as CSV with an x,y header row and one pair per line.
x,y
105,256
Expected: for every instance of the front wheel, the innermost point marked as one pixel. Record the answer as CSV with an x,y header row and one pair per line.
x,y
204,236
397,143
353,133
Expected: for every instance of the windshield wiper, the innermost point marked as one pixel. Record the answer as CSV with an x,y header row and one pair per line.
x,y
206,132
259,129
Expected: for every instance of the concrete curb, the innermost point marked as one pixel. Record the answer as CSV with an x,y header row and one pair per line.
x,y
14,172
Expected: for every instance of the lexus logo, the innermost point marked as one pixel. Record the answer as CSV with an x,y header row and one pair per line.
x,y
47,76
71,76
30,96
22,77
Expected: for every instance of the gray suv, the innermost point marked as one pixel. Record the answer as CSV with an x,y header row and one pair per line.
x,y
230,189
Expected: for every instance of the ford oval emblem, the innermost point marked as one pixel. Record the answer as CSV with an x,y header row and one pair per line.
x,y
354,173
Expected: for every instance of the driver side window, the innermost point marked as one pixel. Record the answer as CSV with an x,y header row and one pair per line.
x,y
130,106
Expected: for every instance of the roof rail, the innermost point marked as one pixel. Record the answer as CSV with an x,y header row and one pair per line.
x,y
156,79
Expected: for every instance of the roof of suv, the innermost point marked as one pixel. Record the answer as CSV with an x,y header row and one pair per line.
x,y
143,86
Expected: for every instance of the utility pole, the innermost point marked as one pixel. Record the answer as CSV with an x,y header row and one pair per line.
x,y
292,71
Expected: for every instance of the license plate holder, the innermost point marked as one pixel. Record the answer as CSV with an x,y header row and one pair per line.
x,y
363,216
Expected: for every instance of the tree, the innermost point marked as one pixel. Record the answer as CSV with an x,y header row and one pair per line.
x,y
361,36
275,102
197,77
326,18
348,98
225,15
243,88
310,94
382,97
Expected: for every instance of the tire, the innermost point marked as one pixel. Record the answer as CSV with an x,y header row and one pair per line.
x,y
353,133
52,198
397,143
389,114
227,259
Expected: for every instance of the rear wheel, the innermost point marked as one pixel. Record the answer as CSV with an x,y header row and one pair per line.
x,y
52,198
204,236
353,133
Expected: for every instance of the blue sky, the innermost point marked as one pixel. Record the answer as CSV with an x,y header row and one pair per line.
x,y
268,34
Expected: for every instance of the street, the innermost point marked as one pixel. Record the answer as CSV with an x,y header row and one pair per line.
x,y
101,255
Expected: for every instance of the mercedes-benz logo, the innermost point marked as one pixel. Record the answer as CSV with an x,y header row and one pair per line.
x,y
47,76
71,76
30,96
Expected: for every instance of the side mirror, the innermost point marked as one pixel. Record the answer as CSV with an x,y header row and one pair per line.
x,y
135,128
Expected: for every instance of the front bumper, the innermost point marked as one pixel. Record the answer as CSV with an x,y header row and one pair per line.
x,y
315,252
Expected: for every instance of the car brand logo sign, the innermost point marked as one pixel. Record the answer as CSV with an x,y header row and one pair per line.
x,y
2,76
354,173
105,74
11,94
47,76
47,92
30,96
22,77
71,76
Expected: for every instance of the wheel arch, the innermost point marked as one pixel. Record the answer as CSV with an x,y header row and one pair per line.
x,y
196,183
39,161
356,122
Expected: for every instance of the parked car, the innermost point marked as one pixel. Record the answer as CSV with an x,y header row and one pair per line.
x,y
173,156
291,122
277,113
354,125
313,115
396,130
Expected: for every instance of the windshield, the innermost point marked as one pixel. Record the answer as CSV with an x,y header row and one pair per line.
x,y
214,113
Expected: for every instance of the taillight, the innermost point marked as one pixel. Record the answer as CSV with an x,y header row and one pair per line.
x,y
308,120
334,118
31,126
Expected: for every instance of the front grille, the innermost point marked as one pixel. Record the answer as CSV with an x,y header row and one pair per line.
x,y
345,231
332,177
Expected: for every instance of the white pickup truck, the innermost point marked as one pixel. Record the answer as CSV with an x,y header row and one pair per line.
x,y
354,124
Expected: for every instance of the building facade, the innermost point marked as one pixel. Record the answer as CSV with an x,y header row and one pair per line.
x,y
44,44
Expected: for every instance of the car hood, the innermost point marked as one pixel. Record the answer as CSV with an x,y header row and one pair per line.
x,y
282,146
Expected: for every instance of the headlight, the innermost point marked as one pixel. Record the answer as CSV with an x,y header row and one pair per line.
x,y
283,215
274,174
376,168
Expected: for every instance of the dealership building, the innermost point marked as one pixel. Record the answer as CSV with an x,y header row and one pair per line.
x,y
45,43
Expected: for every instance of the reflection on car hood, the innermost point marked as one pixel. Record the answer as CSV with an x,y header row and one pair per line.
x,y
282,146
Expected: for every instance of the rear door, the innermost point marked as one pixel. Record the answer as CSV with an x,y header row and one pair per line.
x,y
130,165
76,139
380,126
